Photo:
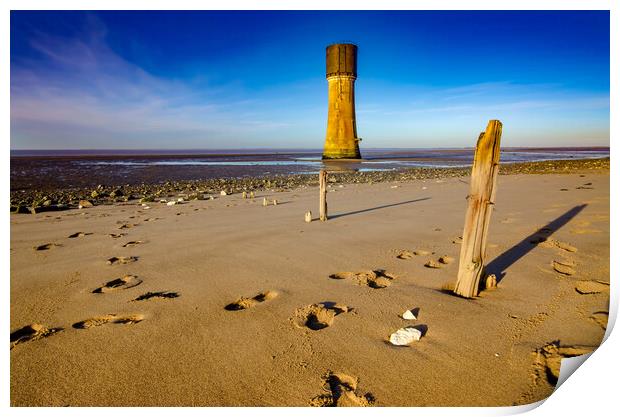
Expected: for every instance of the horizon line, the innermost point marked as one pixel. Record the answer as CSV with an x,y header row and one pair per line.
x,y
297,149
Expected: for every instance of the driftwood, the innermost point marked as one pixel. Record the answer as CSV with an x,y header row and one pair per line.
x,y
480,205
323,195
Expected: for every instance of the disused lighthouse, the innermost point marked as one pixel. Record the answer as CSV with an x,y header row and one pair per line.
x,y
341,141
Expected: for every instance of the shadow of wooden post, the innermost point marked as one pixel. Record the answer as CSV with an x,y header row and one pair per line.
x,y
480,205
323,195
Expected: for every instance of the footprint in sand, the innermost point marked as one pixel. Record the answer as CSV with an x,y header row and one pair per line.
x,y
552,243
584,231
32,332
108,318
117,260
600,317
446,260
374,279
128,281
406,254
340,390
127,226
116,235
78,234
547,360
158,294
244,303
564,246
318,316
564,267
591,287
132,243
432,264
47,246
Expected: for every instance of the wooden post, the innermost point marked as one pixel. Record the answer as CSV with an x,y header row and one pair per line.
x,y
323,195
481,199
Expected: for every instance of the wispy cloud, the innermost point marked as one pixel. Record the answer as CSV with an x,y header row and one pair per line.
x,y
80,93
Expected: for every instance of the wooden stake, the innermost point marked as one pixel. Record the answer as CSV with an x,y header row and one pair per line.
x,y
481,199
323,195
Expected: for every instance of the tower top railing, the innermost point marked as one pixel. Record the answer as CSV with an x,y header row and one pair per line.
x,y
343,42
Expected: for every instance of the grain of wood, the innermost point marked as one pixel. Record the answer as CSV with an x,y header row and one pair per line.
x,y
480,206
323,195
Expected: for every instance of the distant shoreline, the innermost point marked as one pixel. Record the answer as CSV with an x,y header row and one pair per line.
x,y
47,195
194,153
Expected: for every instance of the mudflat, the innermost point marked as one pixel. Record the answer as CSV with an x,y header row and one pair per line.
x,y
228,302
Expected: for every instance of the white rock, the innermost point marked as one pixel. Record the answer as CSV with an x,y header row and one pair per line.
x,y
408,315
424,188
404,336
223,192
171,203
180,199
146,207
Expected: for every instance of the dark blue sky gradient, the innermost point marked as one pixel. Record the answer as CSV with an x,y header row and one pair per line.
x,y
456,65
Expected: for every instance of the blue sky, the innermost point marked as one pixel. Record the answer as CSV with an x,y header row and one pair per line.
x,y
207,79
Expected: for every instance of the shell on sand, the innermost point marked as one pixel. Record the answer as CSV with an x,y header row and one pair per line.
x,y
405,336
408,315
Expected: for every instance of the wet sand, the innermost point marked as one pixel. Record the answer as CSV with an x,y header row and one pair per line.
x,y
228,302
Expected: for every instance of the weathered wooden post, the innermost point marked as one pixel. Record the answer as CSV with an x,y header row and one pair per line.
x,y
323,195
481,199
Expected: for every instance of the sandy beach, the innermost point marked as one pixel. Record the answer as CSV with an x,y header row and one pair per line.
x,y
227,302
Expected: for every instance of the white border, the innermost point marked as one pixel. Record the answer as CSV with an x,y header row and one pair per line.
x,y
592,391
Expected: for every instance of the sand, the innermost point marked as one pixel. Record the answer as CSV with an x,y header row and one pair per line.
x,y
228,303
